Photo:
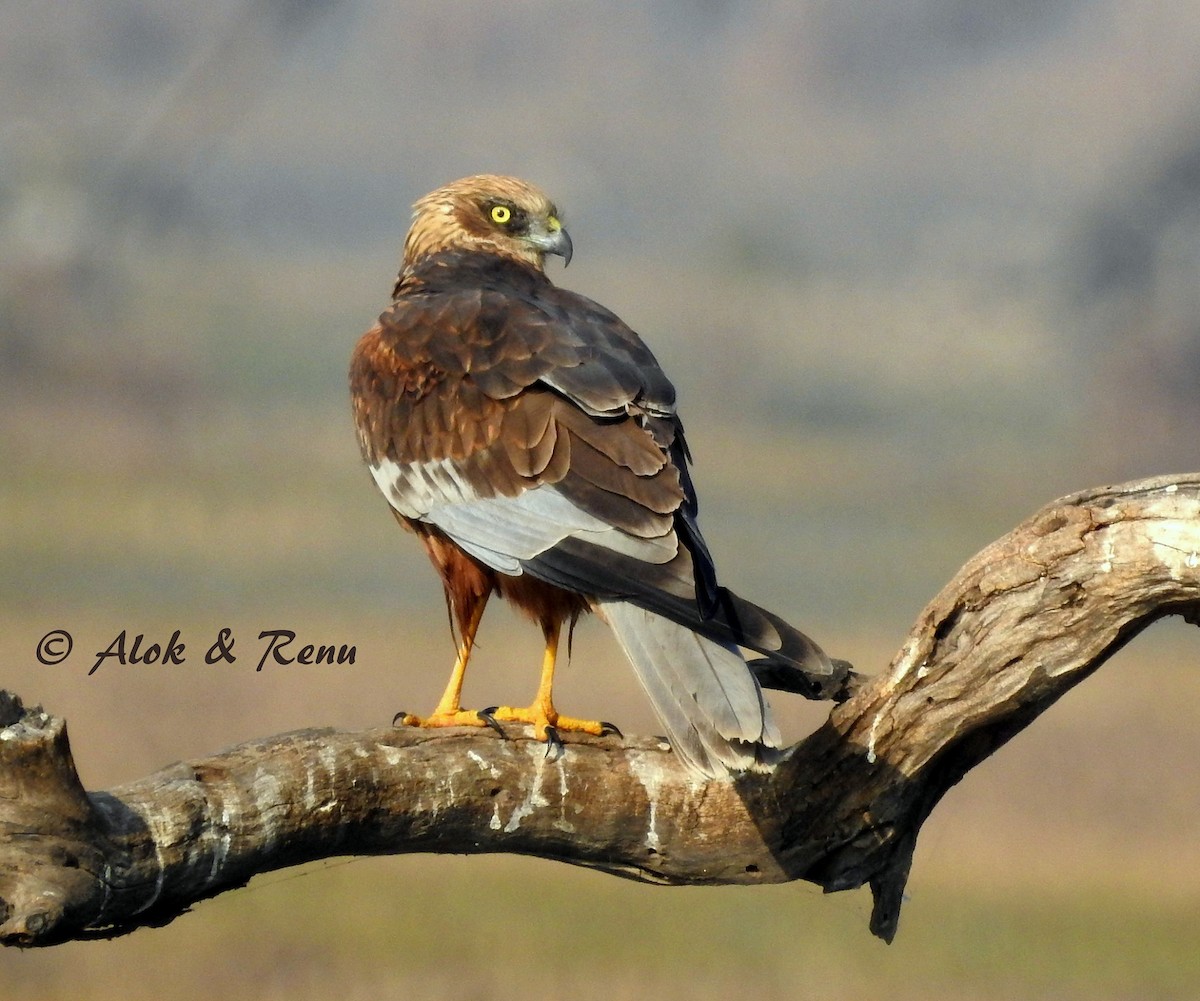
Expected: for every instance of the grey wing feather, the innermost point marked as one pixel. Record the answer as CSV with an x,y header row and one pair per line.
x,y
669,588
535,522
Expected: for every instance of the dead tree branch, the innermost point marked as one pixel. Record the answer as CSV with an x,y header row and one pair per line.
x,y
1026,619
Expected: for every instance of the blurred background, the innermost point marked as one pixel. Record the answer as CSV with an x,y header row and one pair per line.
x,y
916,268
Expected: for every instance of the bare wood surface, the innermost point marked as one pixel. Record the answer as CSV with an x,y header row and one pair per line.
x,y
1026,619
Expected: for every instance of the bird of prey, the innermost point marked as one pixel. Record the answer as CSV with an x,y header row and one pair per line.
x,y
530,440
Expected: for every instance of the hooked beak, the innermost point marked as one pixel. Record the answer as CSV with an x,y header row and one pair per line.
x,y
554,240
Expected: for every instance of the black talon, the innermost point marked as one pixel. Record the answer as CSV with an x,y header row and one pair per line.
x,y
490,720
553,740
610,729
399,716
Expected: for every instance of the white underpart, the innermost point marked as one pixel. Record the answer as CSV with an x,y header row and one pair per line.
x,y
415,488
502,531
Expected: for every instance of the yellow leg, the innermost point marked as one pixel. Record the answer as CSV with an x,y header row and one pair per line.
x,y
543,702
448,711
546,720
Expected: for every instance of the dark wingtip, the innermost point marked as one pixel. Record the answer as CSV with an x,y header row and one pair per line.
x,y
836,687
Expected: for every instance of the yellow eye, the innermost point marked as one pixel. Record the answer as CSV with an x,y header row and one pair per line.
x,y
501,214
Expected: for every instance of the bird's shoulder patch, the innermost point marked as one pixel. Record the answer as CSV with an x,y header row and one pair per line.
x,y
413,407
378,367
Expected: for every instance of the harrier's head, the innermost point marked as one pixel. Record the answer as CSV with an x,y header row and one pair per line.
x,y
491,214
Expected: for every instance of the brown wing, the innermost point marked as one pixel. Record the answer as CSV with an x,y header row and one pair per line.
x,y
536,431
461,423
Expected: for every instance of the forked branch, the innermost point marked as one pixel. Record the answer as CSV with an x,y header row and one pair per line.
x,y
1025,620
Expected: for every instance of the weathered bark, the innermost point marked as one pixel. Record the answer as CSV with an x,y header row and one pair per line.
x,y
1025,620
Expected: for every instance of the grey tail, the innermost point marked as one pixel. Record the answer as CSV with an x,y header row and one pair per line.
x,y
789,660
705,694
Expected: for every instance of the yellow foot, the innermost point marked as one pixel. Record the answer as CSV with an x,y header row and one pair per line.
x,y
461,717
548,724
